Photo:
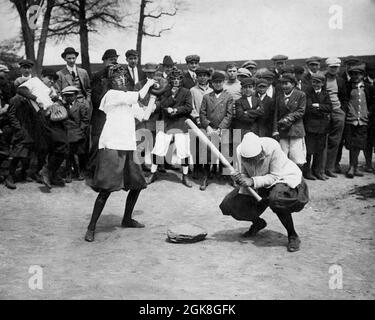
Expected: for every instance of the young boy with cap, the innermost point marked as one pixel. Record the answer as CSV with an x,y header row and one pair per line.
x,y
288,120
216,116
361,104
77,125
190,77
251,66
313,66
316,121
232,84
265,168
266,121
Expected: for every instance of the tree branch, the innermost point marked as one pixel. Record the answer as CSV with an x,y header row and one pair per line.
x,y
162,13
156,35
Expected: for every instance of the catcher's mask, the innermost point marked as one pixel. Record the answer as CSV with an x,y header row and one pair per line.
x,y
117,76
175,77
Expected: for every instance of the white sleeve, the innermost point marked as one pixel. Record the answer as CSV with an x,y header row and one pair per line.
x,y
103,103
131,97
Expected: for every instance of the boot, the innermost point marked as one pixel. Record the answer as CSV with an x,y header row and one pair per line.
x,y
319,176
9,183
293,243
357,173
330,174
257,225
44,173
186,181
307,174
350,173
204,183
90,235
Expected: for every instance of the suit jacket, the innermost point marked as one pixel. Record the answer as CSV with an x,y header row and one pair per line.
x,y
187,81
317,120
266,121
141,76
182,101
217,112
65,79
77,122
247,117
292,113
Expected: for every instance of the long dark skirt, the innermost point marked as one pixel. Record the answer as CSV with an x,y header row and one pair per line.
x,y
355,136
280,198
114,170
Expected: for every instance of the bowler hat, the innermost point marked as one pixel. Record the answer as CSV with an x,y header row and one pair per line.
x,y
279,57
167,61
131,52
288,77
250,146
110,53
192,57
48,72
150,67
69,50
26,63
217,76
69,90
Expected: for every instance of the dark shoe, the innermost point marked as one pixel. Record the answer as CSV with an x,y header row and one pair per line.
x,y
338,169
25,177
319,176
132,224
369,169
161,168
145,168
81,176
330,174
204,184
186,181
90,236
45,177
255,228
350,173
57,181
293,243
37,177
308,176
68,178
151,178
357,173
9,183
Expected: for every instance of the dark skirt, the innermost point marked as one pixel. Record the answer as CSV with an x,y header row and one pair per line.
x,y
280,198
114,170
355,136
315,142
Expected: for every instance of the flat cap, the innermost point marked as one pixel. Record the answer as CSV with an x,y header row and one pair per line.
x,y
288,77
261,82
248,82
319,76
351,59
249,63
299,70
4,68
314,60
131,52
110,53
202,70
217,76
333,62
26,63
279,57
243,72
192,57
358,68
265,73
69,90
48,72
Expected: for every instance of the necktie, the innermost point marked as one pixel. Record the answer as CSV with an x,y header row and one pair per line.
x,y
133,75
73,74
194,76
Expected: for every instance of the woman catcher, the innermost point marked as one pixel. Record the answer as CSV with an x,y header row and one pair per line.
x,y
113,167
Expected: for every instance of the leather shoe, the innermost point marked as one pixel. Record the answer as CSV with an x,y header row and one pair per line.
x,y
132,224
9,183
338,169
255,228
369,169
151,178
45,177
357,173
68,178
309,176
331,174
350,173
319,176
293,243
204,184
186,181
90,235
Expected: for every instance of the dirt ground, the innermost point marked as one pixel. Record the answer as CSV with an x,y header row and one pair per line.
x,y
47,229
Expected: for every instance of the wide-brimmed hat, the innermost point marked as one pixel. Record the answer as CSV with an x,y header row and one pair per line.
x,y
150,67
167,61
69,50
250,146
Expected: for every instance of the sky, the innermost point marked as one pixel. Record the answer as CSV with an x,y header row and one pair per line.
x,y
233,30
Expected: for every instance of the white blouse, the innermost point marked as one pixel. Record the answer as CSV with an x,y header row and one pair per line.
x,y
121,109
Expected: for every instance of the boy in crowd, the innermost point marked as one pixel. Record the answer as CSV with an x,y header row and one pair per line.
x,y
190,77
268,104
316,121
232,84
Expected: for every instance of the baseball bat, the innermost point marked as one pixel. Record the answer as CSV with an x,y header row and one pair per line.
x,y
202,137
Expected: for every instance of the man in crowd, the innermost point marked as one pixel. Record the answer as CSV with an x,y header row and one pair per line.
x,y
349,61
268,104
190,77
26,68
232,84
279,63
167,66
313,66
133,73
251,66
336,89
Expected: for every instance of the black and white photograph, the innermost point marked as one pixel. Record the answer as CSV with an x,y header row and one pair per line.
x,y
187,150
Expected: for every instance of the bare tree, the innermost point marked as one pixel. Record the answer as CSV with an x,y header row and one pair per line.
x,y
80,17
156,13
30,33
